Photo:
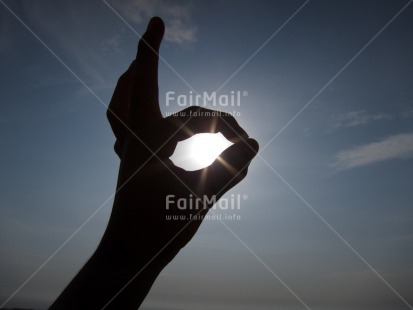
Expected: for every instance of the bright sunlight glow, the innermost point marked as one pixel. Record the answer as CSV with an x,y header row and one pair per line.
x,y
199,151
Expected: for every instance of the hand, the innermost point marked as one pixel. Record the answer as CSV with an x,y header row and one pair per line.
x,y
139,240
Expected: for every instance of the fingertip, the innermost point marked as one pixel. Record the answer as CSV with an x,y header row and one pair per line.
x,y
244,151
156,25
156,20
239,155
253,145
231,167
244,147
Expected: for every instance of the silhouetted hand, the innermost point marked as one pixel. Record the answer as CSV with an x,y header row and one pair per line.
x,y
140,240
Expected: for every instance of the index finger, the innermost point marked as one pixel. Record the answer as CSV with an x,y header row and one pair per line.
x,y
194,120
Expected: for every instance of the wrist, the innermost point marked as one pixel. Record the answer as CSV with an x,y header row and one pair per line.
x,y
130,253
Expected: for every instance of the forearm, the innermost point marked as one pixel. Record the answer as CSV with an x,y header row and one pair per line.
x,y
115,277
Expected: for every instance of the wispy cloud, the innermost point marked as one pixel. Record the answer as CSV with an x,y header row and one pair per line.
x,y
398,146
177,32
357,118
406,114
111,44
179,28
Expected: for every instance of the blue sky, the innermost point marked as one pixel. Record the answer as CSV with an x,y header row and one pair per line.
x,y
328,201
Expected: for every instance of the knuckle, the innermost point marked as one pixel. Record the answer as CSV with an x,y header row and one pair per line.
x,y
110,115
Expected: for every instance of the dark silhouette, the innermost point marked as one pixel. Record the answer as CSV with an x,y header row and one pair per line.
x,y
139,240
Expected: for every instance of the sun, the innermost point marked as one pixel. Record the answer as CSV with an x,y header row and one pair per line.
x,y
206,147
199,151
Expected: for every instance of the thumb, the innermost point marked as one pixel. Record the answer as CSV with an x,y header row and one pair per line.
x,y
231,166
